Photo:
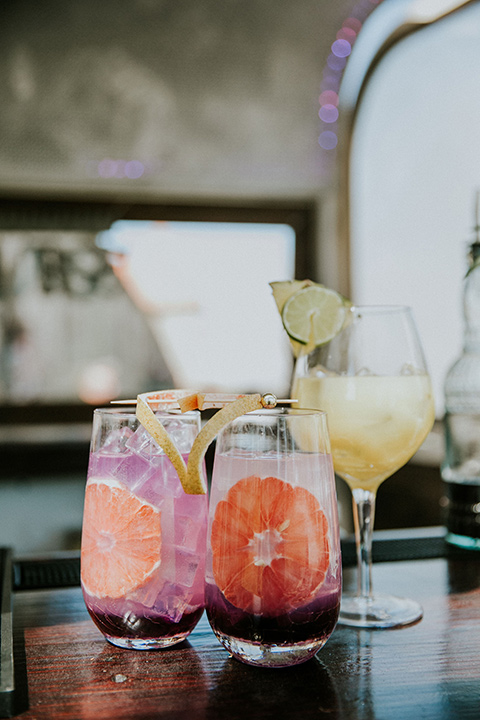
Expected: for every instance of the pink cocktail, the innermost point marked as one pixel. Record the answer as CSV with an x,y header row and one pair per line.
x,y
143,538
273,575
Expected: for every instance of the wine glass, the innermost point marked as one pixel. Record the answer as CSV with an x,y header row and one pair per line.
x,y
372,381
273,575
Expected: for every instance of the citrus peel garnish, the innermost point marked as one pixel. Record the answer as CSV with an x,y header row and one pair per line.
x,y
206,401
232,406
282,290
241,405
163,399
153,426
312,314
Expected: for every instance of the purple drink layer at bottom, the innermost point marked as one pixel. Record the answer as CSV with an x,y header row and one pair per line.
x,y
314,622
145,628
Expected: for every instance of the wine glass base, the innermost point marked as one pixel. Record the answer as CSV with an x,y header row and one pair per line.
x,y
379,611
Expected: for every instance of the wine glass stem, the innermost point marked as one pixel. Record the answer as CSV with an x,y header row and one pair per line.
x,y
363,518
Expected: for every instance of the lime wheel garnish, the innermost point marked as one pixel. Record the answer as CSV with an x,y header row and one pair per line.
x,y
312,314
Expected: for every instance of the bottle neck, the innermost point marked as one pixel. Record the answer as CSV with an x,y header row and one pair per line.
x,y
471,303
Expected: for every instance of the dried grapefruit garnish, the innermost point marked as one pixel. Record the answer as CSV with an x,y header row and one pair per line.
x,y
269,546
233,409
153,425
193,481
121,539
232,406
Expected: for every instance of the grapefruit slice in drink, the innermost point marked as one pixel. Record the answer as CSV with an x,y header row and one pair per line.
x,y
121,539
270,546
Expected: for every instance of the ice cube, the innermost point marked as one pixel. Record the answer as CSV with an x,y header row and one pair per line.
x,y
167,518
186,565
124,467
160,483
192,505
409,369
150,487
364,372
187,530
116,441
173,605
183,433
132,621
142,443
147,594
170,482
133,472
104,464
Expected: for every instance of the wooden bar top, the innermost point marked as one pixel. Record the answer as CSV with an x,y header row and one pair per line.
x,y
428,670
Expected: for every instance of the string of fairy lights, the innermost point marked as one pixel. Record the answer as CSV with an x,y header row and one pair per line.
x,y
340,51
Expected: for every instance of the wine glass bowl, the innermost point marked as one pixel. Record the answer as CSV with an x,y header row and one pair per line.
x,y
372,381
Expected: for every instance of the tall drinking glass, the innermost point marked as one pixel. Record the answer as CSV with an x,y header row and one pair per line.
x,y
273,577
372,381
143,537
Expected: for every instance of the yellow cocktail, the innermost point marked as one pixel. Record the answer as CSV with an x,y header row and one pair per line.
x,y
376,423
371,380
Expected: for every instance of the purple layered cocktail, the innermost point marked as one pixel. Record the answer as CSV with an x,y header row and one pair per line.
x,y
143,539
273,576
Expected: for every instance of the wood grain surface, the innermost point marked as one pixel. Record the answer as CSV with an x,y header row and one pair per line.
x,y
428,670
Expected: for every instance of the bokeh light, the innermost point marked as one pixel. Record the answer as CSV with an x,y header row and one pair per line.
x,y
328,97
336,63
328,113
111,168
341,49
330,80
346,33
353,23
134,169
107,168
99,382
328,140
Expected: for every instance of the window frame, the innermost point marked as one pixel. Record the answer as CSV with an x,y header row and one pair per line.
x,y
87,215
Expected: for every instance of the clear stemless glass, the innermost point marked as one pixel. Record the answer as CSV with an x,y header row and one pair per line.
x,y
273,577
143,537
372,382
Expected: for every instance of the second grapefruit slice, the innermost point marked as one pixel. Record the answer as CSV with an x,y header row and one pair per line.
x,y
121,539
270,546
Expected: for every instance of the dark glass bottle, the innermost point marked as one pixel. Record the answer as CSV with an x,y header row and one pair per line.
x,y
461,466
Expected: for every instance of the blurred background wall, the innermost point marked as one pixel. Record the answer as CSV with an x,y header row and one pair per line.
x,y
132,101
109,109
195,99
